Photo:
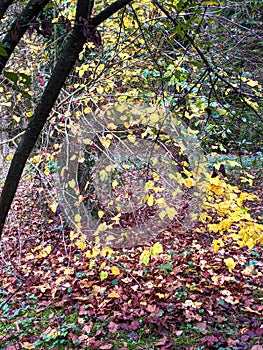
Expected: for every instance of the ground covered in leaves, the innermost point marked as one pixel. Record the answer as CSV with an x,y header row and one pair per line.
x,y
55,294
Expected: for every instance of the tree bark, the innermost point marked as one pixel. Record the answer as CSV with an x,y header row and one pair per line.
x,y
62,69
19,27
4,4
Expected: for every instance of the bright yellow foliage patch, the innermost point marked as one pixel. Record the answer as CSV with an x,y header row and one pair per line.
x,y
226,214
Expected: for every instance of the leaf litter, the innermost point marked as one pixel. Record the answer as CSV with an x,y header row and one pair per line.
x,y
173,289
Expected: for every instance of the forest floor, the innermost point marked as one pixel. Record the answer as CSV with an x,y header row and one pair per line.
x,y
56,295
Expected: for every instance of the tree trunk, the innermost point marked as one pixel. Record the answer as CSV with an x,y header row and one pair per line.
x,y
19,27
62,69
4,4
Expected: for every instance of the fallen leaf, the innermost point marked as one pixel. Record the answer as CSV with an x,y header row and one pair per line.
x,y
113,294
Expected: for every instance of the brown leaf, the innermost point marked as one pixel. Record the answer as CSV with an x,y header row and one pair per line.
x,y
210,340
113,327
164,343
87,328
96,344
134,325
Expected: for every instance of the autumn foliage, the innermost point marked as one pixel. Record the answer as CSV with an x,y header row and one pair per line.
x,y
121,236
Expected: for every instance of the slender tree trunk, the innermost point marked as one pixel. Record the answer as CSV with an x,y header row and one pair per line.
x,y
62,69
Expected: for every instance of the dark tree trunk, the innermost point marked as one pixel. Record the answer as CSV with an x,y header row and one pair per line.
x,y
19,27
62,69
4,4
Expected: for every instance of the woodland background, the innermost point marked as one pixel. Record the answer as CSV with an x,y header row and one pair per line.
x,y
194,288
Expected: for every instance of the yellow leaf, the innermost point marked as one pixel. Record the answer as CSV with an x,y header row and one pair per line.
x,y
53,207
46,171
87,142
102,265
131,138
250,243
103,175
161,202
106,251
100,214
35,249
156,176
54,333
112,126
160,295
100,90
16,118
44,252
145,257
6,104
162,214
252,83
95,252
73,235
233,163
80,244
188,182
115,270
114,183
102,227
109,238
156,249
113,294
187,173
9,157
72,183
158,189
209,3
68,271
87,110
116,218
154,118
217,243
105,142
77,218
92,263
230,263
148,185
150,200
171,212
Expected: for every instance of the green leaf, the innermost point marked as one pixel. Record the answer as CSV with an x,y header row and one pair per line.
x,y
11,76
26,79
103,275
115,282
145,257
3,51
